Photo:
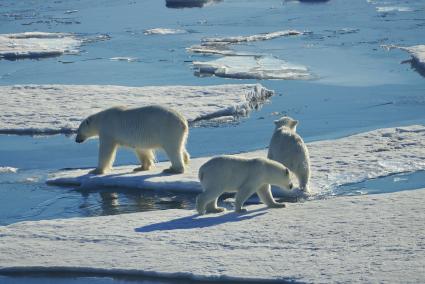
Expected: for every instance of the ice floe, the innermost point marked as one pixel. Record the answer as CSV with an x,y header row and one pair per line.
x,y
37,44
60,108
417,52
189,3
251,67
333,163
8,170
373,240
164,31
249,38
123,58
388,9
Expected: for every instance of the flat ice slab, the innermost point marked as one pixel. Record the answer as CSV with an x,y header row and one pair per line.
x,y
369,239
37,44
334,162
60,108
249,38
163,31
251,67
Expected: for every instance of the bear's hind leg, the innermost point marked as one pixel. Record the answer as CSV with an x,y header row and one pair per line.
x,y
175,154
146,158
107,151
265,195
205,198
213,208
241,196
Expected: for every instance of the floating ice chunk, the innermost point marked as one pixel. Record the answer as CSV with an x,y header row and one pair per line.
x,y
251,67
7,170
60,108
333,163
388,9
37,44
128,59
418,55
164,31
189,3
257,37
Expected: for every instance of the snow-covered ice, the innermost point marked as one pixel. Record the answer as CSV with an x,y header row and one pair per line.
x,y
388,9
164,31
7,170
249,38
60,108
251,67
333,163
37,44
364,239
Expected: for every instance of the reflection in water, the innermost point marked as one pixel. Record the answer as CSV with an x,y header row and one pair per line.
x,y
189,3
112,201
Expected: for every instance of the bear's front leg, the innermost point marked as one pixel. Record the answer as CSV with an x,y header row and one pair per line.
x,y
265,195
107,151
146,158
241,196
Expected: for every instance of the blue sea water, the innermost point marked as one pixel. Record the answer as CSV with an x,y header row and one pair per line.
x,y
356,84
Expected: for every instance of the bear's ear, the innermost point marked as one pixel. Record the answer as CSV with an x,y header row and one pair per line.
x,y
276,122
286,171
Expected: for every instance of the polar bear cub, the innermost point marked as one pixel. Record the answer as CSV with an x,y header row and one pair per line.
x,y
241,175
143,129
287,147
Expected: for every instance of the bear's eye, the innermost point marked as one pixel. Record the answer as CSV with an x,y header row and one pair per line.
x,y
87,122
286,171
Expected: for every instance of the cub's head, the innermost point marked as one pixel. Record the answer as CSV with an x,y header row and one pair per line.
x,y
86,130
286,121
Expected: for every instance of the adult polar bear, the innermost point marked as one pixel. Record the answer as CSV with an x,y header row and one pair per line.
x,y
241,175
144,129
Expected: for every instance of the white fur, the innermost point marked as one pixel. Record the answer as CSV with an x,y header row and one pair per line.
x,y
142,129
241,175
288,148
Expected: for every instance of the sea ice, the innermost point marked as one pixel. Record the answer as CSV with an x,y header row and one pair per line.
x,y
251,67
60,108
333,163
417,52
388,9
337,240
6,170
37,44
249,38
189,3
163,31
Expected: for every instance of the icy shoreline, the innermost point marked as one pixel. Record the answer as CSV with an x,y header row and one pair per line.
x,y
371,239
58,109
333,162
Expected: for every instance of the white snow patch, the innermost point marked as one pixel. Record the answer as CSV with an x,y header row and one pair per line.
x,y
333,163
338,240
388,9
251,67
8,170
37,44
60,108
249,38
164,31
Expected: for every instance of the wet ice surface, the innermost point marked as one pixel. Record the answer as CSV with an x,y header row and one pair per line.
x,y
359,86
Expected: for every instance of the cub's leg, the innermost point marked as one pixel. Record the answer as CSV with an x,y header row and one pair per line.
x,y
213,208
242,195
107,151
265,195
146,158
205,198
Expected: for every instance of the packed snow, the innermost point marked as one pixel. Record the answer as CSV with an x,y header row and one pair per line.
x,y
60,108
339,240
8,170
333,163
251,67
164,31
37,44
249,38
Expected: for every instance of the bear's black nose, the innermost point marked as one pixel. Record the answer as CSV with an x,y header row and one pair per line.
x,y
78,140
291,185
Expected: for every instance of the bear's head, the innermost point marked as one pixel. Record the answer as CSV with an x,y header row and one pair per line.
x,y
286,121
86,130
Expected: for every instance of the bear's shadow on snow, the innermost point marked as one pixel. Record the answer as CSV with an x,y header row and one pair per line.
x,y
197,221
